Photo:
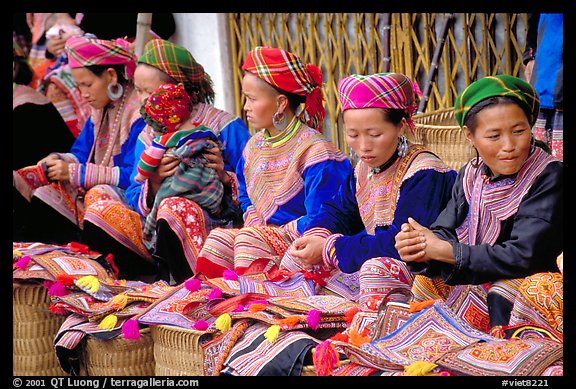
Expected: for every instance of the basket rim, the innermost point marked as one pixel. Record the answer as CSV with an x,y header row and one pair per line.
x,y
178,329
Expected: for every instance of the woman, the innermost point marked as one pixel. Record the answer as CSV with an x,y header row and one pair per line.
x,y
182,225
103,153
32,114
504,219
393,179
287,168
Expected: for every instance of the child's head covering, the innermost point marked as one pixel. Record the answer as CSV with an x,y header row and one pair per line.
x,y
380,90
177,62
500,85
84,51
166,108
285,71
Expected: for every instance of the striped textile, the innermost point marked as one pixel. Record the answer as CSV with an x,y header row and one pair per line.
x,y
378,276
83,52
23,94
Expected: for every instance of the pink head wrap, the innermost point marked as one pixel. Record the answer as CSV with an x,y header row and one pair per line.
x,y
84,52
380,90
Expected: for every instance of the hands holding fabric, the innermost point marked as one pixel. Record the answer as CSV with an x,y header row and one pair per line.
x,y
308,250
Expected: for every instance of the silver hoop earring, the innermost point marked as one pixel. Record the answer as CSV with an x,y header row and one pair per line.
x,y
280,121
114,95
402,148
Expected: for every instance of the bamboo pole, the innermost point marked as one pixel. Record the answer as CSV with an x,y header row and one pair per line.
x,y
386,42
434,63
143,24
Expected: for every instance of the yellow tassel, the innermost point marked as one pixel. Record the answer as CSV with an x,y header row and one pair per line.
x,y
118,302
90,283
224,322
16,253
109,322
419,368
272,333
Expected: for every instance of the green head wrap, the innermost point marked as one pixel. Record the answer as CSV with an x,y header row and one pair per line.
x,y
500,85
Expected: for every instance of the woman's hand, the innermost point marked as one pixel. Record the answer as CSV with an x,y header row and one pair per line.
x,y
168,166
308,250
57,170
215,161
416,243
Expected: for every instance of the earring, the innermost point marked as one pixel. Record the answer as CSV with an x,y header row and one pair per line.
x,y
279,120
402,148
114,95
476,157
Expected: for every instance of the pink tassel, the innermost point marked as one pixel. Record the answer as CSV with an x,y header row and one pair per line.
x,y
325,358
201,325
230,275
192,284
23,261
131,329
57,289
313,318
239,308
47,284
215,293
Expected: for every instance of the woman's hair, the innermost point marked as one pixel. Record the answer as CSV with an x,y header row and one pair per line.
x,y
294,100
24,73
470,120
98,70
395,116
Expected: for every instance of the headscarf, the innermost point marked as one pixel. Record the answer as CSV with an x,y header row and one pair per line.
x,y
380,90
177,62
84,51
167,107
500,85
286,71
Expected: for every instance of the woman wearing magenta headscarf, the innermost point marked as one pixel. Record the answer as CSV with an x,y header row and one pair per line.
x,y
103,153
181,224
504,221
287,168
354,231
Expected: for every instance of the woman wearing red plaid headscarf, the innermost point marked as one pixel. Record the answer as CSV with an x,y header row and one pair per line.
x,y
287,168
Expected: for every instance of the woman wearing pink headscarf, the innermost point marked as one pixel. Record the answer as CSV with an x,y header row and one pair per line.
x,y
352,236
103,153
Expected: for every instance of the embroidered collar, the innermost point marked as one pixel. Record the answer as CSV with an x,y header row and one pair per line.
x,y
284,135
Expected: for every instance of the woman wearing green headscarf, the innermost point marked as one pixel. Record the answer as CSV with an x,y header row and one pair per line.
x,y
182,226
504,221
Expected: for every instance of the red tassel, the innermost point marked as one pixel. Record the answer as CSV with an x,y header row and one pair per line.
x,y
131,329
66,279
349,314
110,259
57,310
313,318
340,336
325,358
192,284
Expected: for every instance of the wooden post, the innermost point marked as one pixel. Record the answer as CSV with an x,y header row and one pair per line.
x,y
434,64
143,24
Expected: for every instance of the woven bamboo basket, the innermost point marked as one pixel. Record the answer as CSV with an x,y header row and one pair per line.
x,y
177,351
34,329
441,134
120,356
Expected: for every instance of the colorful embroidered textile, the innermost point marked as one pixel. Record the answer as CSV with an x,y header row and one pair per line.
x,y
83,51
167,107
346,285
380,90
326,304
178,63
498,85
286,71
425,336
379,276
28,179
469,303
215,351
296,286
514,357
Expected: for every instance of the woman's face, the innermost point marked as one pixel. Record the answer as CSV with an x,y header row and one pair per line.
x,y
146,80
372,138
261,101
502,137
92,87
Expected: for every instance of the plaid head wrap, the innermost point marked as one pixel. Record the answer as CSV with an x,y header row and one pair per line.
x,y
167,107
285,70
177,62
380,90
500,85
84,51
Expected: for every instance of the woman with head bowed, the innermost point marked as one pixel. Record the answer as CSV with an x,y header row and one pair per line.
x,y
181,224
504,221
287,169
352,236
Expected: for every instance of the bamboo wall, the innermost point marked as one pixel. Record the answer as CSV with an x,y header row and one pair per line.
x,y
474,45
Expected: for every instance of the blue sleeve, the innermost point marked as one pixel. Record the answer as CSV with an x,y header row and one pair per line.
x,y
242,193
321,183
83,144
135,188
233,138
340,214
127,160
422,197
